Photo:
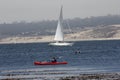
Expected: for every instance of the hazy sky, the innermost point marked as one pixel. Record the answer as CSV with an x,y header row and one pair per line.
x,y
37,10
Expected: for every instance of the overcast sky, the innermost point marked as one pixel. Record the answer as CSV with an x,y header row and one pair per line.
x,y
37,10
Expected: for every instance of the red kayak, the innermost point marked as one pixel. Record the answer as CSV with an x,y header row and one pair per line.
x,y
49,63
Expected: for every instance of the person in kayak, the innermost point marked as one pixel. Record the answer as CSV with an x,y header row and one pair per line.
x,y
54,59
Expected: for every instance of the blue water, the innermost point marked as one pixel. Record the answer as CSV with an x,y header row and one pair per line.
x,y
95,56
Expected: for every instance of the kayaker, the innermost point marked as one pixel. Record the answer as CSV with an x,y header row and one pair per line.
x,y
54,59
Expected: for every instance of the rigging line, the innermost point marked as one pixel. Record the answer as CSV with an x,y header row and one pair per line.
x,y
68,26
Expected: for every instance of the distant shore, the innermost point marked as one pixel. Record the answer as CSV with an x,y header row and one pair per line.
x,y
110,32
39,39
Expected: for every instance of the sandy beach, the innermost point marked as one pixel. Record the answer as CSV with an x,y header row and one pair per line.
x,y
39,39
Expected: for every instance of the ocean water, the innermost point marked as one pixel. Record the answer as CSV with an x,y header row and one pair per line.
x,y
16,60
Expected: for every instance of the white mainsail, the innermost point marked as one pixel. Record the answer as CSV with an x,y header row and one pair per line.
x,y
59,35
59,31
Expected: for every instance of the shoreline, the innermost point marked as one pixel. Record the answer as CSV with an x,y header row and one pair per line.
x,y
16,40
84,76
94,76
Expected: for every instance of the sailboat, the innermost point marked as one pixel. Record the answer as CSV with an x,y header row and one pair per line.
x,y
59,35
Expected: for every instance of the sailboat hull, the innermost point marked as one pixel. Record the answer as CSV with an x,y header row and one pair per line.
x,y
61,44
